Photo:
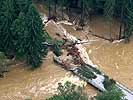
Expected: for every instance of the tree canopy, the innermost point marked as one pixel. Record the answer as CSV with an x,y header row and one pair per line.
x,y
22,32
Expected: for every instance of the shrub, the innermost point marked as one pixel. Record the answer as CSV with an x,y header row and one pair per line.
x,y
113,94
57,47
69,91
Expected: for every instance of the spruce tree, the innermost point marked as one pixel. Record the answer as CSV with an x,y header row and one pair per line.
x,y
19,29
8,15
62,3
23,5
34,47
129,21
0,26
49,8
109,10
55,7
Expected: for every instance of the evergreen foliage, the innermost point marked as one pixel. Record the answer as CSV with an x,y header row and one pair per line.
x,y
23,5
109,10
129,21
8,15
0,25
57,48
21,31
108,83
34,47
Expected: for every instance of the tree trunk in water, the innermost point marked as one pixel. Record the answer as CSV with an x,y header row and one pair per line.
x,y
125,29
55,3
49,10
90,16
62,12
82,14
76,3
110,33
120,33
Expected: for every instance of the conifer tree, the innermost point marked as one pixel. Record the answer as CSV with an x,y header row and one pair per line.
x,y
86,6
129,21
19,29
109,11
8,15
23,5
55,7
49,8
34,47
0,26
62,3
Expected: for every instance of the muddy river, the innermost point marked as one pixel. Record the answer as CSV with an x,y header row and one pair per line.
x,y
115,59
21,83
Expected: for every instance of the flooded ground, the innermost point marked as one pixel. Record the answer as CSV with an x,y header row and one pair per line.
x,y
101,27
115,59
20,83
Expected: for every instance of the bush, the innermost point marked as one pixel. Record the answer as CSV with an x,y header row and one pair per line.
x,y
113,94
4,63
57,47
69,91
108,83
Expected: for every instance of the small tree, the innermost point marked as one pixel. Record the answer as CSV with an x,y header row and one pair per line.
x,y
34,47
109,13
56,48
113,94
69,91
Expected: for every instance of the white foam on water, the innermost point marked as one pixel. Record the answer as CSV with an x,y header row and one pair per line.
x,y
118,41
44,18
64,22
73,79
81,48
84,55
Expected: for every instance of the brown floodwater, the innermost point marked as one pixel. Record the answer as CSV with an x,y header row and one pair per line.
x,y
101,27
113,58
21,83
